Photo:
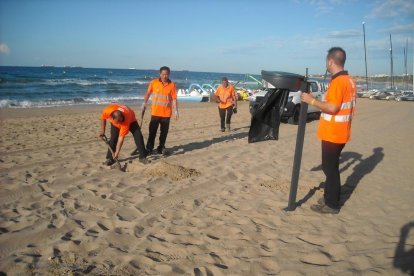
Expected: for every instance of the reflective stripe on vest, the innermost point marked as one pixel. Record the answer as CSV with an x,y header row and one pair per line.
x,y
337,118
156,102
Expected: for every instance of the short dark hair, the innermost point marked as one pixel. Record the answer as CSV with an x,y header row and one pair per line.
x,y
338,55
165,68
224,79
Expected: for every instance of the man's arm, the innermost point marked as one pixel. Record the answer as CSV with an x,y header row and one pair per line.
x,y
234,98
325,107
103,126
175,104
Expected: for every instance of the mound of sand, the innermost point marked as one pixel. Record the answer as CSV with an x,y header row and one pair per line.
x,y
163,169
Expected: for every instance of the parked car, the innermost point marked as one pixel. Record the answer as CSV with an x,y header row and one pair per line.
x,y
382,95
292,108
405,96
367,94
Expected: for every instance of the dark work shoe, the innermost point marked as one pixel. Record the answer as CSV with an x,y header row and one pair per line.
x,y
324,209
149,152
160,150
223,130
144,161
321,201
135,152
109,162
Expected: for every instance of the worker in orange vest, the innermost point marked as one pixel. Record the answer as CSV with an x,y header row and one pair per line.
x,y
334,126
164,99
227,100
123,121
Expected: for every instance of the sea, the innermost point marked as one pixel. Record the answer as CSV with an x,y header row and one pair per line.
x,y
27,87
46,86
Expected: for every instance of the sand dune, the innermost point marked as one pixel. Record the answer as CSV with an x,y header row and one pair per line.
x,y
214,207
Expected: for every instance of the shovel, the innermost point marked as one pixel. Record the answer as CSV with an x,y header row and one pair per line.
x,y
117,164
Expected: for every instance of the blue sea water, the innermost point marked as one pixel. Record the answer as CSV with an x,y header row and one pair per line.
x,y
22,87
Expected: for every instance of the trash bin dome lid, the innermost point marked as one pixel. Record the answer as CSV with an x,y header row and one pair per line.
x,y
281,74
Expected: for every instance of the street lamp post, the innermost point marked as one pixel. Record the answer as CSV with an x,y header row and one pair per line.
x,y
365,50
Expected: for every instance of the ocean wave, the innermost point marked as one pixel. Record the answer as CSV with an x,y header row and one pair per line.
x,y
65,102
71,81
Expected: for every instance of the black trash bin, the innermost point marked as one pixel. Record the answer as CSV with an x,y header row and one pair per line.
x,y
267,114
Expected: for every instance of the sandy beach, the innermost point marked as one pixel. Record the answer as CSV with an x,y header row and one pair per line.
x,y
214,207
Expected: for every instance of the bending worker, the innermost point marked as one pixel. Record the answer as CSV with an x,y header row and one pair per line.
x,y
122,120
164,97
227,99
334,126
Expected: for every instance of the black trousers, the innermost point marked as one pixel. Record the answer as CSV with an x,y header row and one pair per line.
x,y
164,124
223,117
330,165
136,133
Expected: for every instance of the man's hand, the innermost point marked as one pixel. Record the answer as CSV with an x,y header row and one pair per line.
x,y
143,106
176,115
306,97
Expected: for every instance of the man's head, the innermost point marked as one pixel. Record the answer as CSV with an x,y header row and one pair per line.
x,y
224,82
335,60
117,116
164,73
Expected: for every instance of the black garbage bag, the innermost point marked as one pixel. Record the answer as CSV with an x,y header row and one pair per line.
x,y
266,116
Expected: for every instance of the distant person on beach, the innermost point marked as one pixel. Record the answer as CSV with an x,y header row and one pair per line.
x,y
122,120
227,99
164,98
334,126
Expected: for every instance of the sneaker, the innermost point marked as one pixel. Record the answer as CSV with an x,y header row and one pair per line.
x,y
135,152
321,201
324,209
109,162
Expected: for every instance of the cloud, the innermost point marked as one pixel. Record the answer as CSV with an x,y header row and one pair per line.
x,y
345,34
399,29
393,8
4,49
324,6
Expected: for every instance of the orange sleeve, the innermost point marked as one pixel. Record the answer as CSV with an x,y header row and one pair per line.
x,y
106,113
217,91
123,130
173,91
334,95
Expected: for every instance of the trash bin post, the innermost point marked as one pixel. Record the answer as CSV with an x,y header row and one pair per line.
x,y
298,151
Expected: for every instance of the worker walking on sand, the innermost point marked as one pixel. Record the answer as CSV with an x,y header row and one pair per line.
x,y
227,100
122,120
334,126
164,98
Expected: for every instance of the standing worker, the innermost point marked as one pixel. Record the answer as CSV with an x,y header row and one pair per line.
x,y
122,120
334,126
164,96
227,99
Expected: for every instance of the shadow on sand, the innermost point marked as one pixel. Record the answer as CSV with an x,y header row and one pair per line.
x,y
363,167
404,258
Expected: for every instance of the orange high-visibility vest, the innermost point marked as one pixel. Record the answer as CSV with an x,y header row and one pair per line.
x,y
336,128
162,97
226,96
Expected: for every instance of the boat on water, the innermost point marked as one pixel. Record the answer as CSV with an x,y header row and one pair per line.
x,y
195,93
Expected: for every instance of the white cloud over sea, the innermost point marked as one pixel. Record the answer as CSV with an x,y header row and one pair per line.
x,y
4,49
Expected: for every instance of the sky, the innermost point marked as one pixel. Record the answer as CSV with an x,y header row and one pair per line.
x,y
226,36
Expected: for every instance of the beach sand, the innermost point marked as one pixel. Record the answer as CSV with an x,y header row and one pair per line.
x,y
214,207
